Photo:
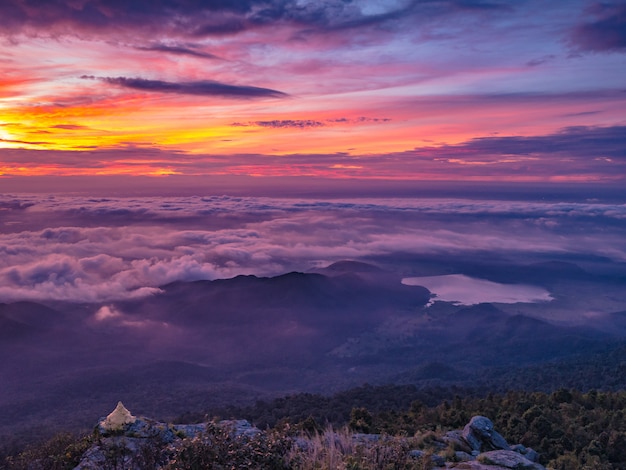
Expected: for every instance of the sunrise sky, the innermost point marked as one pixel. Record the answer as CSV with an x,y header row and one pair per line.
x,y
474,90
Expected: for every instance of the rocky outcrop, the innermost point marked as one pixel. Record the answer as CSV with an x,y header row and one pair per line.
x,y
122,440
480,435
480,447
508,459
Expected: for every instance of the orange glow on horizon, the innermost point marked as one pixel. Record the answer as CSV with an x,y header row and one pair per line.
x,y
257,103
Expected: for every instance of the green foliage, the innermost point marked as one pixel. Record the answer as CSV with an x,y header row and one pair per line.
x,y
361,420
61,452
563,427
218,449
309,426
569,429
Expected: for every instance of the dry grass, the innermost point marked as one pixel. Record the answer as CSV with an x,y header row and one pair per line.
x,y
342,450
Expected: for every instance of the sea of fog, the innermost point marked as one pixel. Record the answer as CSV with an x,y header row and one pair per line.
x,y
467,290
80,249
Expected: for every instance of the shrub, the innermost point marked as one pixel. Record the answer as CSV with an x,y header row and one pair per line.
x,y
62,451
219,449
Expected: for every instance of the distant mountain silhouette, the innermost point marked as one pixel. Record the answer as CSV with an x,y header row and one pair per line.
x,y
352,266
310,299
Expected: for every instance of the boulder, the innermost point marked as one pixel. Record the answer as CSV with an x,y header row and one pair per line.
x,y
527,452
456,440
188,430
434,459
508,459
240,427
474,465
481,436
461,456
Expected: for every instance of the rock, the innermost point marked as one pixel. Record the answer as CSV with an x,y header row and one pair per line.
x,y
302,443
436,460
112,452
532,455
362,438
455,439
123,440
188,430
527,452
118,419
480,435
144,428
461,456
239,427
473,465
508,459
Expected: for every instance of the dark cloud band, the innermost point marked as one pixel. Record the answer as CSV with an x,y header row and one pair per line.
x,y
308,123
606,33
282,123
23,142
178,50
581,142
185,18
201,87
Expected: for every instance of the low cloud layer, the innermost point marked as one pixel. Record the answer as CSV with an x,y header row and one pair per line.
x,y
79,252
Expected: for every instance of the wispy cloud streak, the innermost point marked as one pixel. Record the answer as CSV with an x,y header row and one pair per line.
x,y
178,50
200,87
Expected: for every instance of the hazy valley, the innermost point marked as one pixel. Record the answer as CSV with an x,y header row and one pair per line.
x,y
203,345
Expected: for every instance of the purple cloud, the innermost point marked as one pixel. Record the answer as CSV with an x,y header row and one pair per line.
x,y
218,17
201,87
606,33
282,123
94,16
309,123
361,119
582,142
178,50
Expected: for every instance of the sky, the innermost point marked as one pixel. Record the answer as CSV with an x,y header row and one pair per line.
x,y
522,91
